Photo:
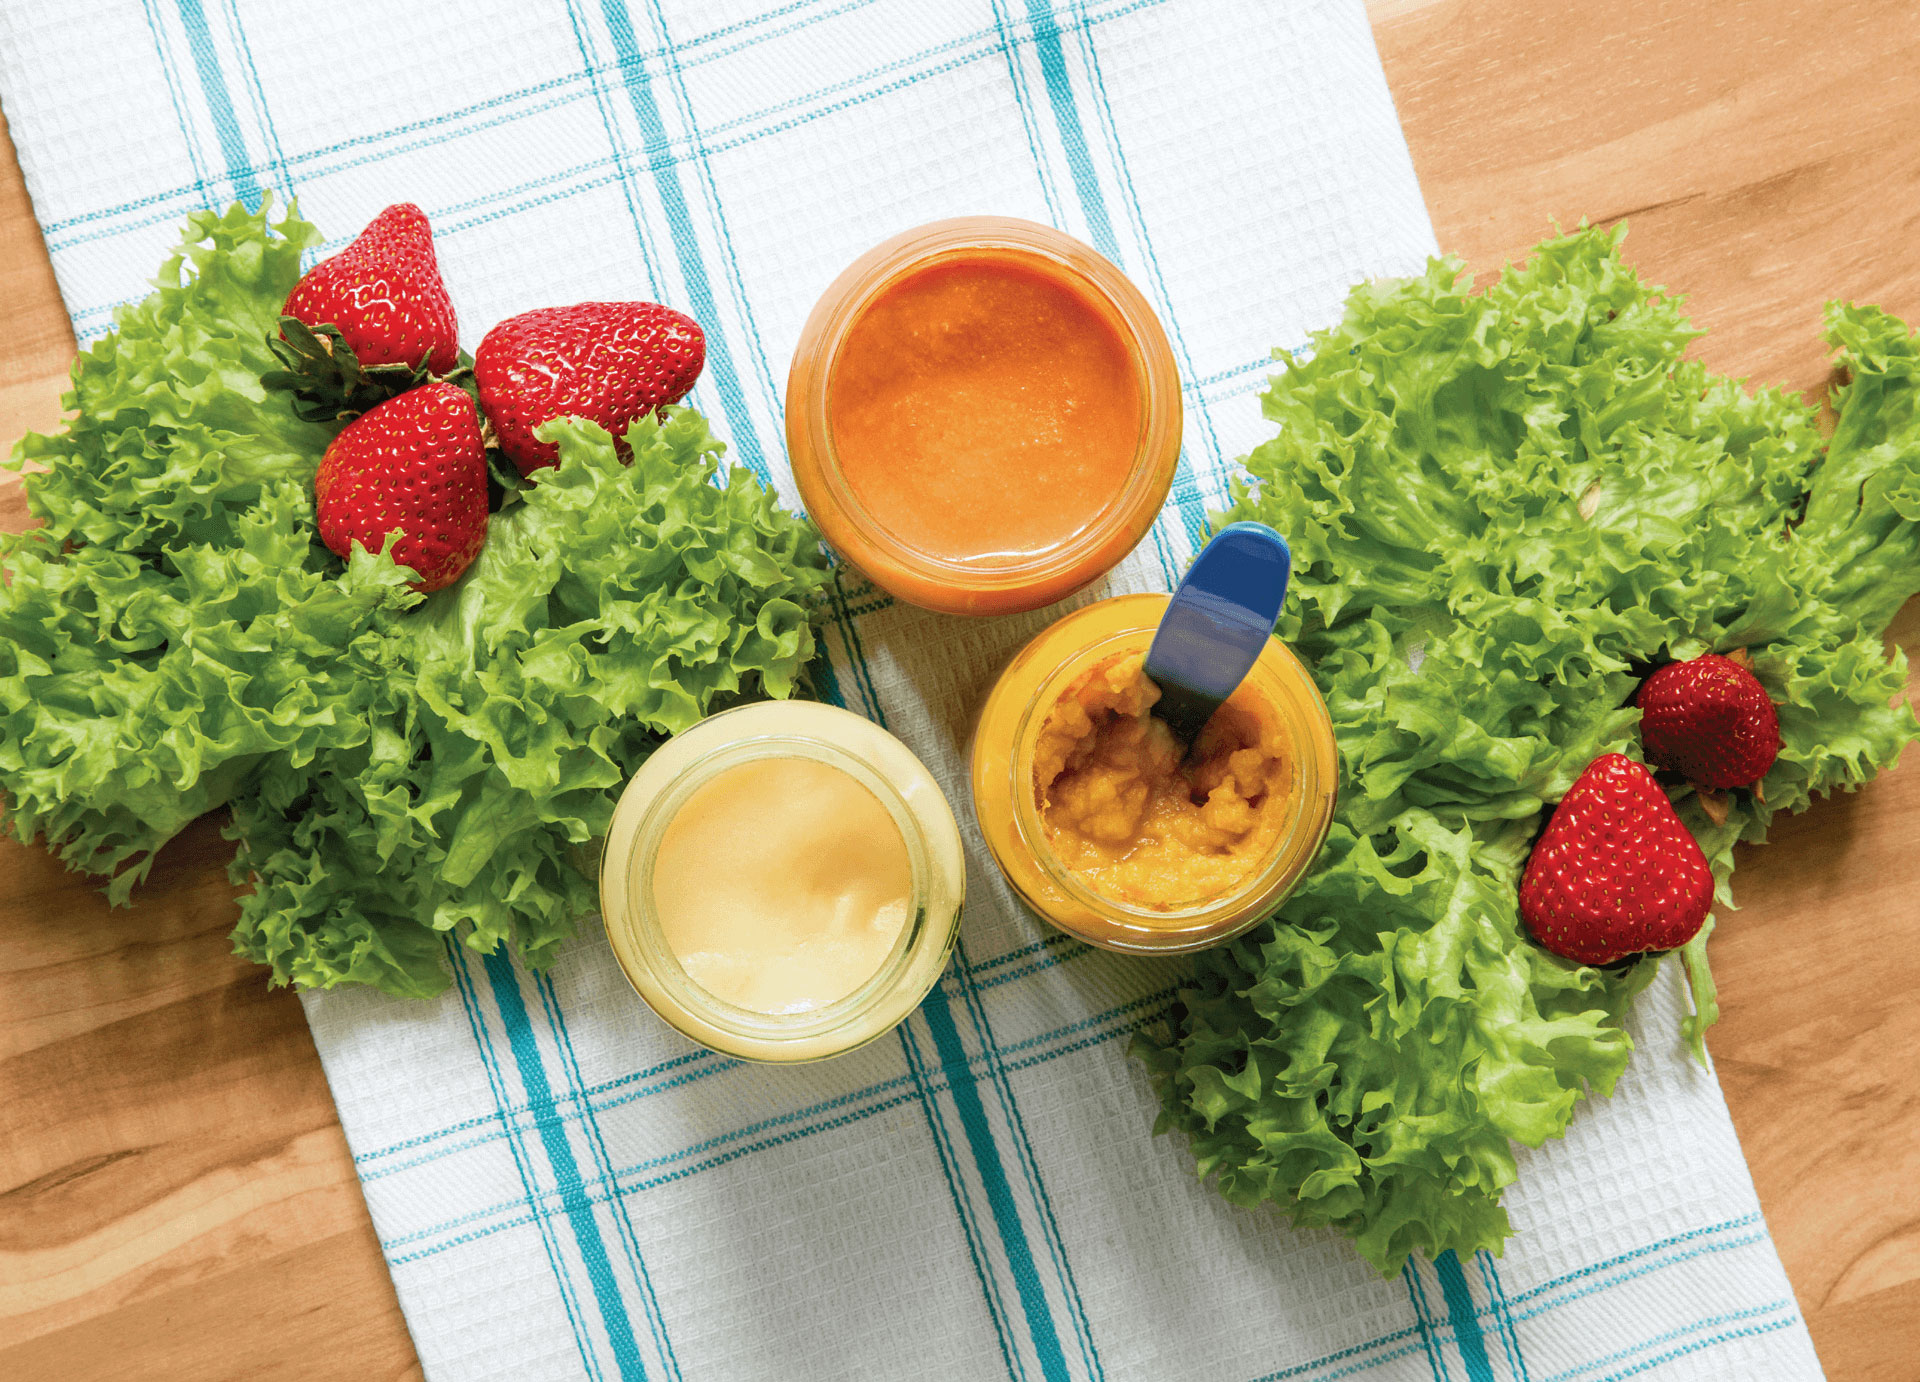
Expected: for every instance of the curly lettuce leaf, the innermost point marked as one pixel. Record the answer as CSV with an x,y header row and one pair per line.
x,y
172,623
1504,507
173,639
1860,542
172,435
615,606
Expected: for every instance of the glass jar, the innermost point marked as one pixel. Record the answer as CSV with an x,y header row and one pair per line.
x,y
1009,814
985,581
823,734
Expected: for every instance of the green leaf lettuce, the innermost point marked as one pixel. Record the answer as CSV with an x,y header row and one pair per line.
x,y
174,639
1505,507
614,607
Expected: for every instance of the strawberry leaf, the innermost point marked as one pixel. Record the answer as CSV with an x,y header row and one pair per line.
x,y
505,483
327,380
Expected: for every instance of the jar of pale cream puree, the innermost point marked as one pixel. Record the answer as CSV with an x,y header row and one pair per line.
x,y
783,881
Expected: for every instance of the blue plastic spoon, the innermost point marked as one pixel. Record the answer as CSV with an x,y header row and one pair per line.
x,y
1220,619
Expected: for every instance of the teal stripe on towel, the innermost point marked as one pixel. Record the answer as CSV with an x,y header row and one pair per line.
x,y
489,1062
993,1175
206,61
1460,1314
686,245
566,1170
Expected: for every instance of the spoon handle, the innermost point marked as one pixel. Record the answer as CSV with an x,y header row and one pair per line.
x,y
1184,710
1217,624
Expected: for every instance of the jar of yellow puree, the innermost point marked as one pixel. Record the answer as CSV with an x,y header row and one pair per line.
x,y
1113,830
783,881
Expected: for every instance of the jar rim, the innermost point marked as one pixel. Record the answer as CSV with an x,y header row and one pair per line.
x,y
644,913
667,782
847,523
1218,916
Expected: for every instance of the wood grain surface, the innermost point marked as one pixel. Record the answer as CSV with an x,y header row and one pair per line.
x,y
176,1199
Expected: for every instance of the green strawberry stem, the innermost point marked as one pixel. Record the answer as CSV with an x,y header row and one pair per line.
x,y
326,378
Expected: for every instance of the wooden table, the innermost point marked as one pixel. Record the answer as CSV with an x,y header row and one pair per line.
x,y
176,1199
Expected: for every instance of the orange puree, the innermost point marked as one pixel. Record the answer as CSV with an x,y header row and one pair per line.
x,y
985,405
1120,809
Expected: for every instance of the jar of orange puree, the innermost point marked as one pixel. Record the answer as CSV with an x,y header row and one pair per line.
x,y
1109,827
983,415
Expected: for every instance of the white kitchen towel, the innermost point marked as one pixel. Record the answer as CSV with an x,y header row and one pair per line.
x,y
565,1188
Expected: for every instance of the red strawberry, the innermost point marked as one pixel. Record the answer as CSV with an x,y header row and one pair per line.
x,y
384,293
415,463
1709,719
610,362
1615,872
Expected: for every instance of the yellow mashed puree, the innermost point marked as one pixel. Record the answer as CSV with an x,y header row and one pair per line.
x,y
1123,809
